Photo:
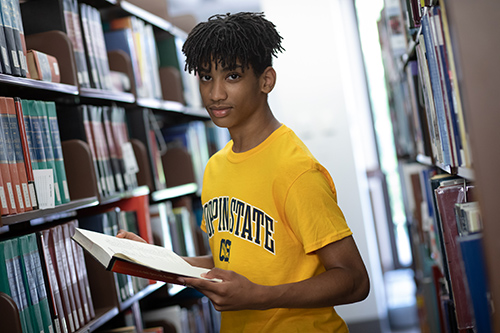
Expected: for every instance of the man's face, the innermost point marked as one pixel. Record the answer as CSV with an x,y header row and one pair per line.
x,y
231,97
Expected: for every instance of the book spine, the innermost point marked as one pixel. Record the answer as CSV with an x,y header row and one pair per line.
x,y
6,194
18,152
59,316
40,283
18,35
81,270
12,259
12,51
29,277
24,131
58,154
66,244
61,270
11,155
117,167
90,51
41,112
79,49
101,148
436,90
4,56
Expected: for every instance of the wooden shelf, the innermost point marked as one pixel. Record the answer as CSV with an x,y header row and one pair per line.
x,y
39,85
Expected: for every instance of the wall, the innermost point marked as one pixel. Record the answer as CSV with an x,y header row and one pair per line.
x,y
321,94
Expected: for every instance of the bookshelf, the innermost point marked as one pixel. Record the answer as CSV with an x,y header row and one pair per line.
x,y
447,75
93,182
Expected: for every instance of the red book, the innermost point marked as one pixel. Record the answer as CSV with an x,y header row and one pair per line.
x,y
19,153
4,206
26,152
11,156
446,197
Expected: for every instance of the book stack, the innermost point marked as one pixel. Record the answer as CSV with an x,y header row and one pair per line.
x,y
104,129
30,154
57,302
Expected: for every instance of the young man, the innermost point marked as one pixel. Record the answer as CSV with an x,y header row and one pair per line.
x,y
279,241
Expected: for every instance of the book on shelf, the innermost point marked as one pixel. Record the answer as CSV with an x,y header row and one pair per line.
x,y
476,279
34,283
25,135
12,283
136,258
40,116
11,35
8,184
63,15
97,57
5,67
20,42
62,322
14,153
448,193
143,54
43,66
50,108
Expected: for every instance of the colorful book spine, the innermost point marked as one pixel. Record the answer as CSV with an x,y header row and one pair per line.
x,y
41,115
7,193
11,155
24,131
58,154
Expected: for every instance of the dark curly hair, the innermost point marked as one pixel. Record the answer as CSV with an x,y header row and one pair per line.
x,y
247,39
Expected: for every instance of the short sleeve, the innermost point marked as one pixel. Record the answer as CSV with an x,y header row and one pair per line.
x,y
312,211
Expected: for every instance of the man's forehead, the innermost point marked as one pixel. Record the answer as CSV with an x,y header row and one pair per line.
x,y
217,65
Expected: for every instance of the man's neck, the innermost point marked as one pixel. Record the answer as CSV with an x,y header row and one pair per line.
x,y
254,135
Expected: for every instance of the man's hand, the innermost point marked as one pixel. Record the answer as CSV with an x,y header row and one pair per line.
x,y
235,292
129,235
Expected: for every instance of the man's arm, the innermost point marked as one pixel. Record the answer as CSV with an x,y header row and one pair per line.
x,y
344,281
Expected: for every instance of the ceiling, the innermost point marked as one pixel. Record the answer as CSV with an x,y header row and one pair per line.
x,y
203,9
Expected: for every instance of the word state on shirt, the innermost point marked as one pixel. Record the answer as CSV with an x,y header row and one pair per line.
x,y
241,219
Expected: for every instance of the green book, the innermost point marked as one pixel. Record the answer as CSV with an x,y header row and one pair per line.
x,y
41,117
57,149
15,278
30,285
29,242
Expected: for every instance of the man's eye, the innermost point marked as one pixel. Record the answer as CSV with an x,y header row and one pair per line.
x,y
205,77
233,76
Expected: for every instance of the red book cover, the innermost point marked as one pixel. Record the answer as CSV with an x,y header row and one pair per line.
x,y
11,156
19,152
53,289
446,197
4,206
26,152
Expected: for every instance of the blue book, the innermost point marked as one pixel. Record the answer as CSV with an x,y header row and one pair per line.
x,y
475,274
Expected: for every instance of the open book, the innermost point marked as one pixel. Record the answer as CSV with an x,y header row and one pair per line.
x,y
136,258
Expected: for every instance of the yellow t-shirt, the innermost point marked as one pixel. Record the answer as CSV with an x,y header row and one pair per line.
x,y
265,212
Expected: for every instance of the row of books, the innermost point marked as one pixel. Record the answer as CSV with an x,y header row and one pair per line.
x,y
32,172
426,104
104,129
446,233
46,276
92,39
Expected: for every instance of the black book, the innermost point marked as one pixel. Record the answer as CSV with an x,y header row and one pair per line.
x,y
11,48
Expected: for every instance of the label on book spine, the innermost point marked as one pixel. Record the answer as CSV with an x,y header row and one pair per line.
x,y
3,199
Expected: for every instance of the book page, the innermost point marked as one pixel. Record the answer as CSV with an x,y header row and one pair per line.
x,y
153,256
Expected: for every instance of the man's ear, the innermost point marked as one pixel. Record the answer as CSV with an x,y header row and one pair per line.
x,y
268,79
